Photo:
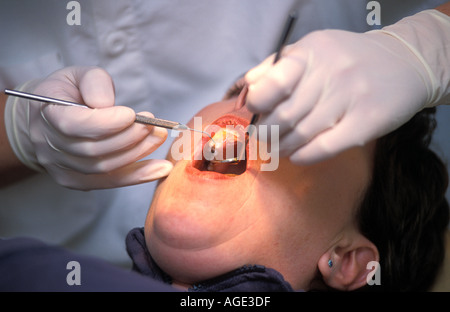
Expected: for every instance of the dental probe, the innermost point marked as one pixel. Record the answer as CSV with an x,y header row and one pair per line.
x,y
172,125
287,30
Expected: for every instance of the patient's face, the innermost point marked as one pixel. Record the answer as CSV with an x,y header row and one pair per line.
x,y
204,223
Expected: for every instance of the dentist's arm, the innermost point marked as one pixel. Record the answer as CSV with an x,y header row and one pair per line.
x,y
334,89
80,148
11,169
445,8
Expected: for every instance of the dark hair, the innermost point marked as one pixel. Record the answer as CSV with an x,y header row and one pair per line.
x,y
404,211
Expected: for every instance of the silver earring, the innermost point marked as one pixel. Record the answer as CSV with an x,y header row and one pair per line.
x,y
330,263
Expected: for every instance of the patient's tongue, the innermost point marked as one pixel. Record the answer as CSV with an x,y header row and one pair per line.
x,y
218,167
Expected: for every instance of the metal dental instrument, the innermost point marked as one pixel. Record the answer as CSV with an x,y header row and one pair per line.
x,y
173,125
287,30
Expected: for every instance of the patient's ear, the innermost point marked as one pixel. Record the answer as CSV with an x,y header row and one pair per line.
x,y
349,257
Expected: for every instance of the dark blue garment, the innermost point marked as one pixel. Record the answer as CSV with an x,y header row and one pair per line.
x,y
30,265
246,279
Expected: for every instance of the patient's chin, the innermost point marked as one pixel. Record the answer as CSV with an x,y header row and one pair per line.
x,y
190,215
188,265
186,222
190,247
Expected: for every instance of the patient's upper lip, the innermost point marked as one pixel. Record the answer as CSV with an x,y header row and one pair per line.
x,y
230,119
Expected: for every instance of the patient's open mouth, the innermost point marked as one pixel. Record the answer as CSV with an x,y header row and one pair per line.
x,y
228,135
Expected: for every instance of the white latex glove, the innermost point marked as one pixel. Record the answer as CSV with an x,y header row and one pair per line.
x,y
83,148
333,89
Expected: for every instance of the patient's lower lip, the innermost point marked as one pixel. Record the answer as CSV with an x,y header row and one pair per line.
x,y
237,168
205,174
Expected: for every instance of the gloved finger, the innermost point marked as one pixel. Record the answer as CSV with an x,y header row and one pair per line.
x,y
111,162
96,87
83,147
88,85
88,123
344,135
290,112
320,119
118,142
132,174
276,84
254,74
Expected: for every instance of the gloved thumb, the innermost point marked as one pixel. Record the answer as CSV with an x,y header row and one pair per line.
x,y
132,174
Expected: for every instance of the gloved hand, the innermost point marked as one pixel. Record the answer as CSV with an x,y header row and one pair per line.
x,y
333,89
83,148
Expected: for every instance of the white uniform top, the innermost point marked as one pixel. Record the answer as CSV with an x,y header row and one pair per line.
x,y
169,57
